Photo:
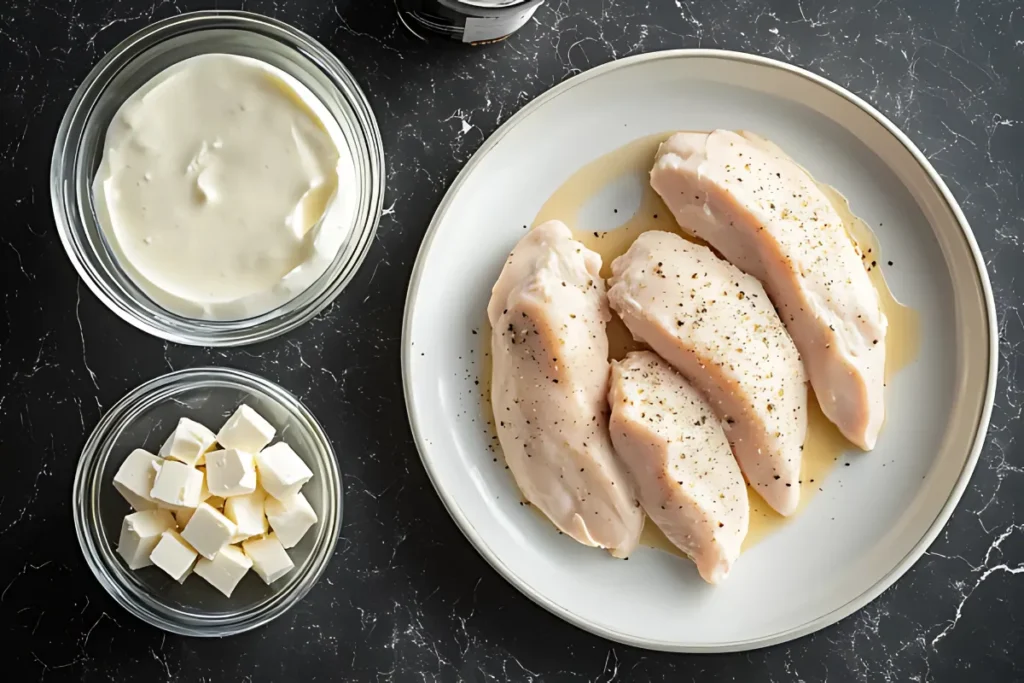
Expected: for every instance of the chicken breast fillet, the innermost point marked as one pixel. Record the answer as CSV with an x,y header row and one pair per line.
x,y
764,214
716,325
677,454
549,390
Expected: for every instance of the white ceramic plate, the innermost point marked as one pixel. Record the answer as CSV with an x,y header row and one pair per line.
x,y
874,519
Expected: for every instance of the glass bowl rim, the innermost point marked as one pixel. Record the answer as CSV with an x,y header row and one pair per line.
x,y
91,466
65,199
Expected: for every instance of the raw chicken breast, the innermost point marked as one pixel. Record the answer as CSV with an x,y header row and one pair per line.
x,y
678,456
716,325
548,312
764,214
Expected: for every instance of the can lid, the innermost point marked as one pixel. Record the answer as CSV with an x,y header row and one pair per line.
x,y
492,4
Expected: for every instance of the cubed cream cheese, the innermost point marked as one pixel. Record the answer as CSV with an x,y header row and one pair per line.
x,y
134,479
208,531
290,518
269,558
230,472
189,441
183,514
246,430
140,532
174,555
247,513
177,485
225,570
204,495
282,472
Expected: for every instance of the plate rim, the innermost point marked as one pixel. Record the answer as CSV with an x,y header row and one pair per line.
x,y
981,428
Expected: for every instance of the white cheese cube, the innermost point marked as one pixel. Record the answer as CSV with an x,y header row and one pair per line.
x,y
189,441
230,473
225,570
174,555
134,479
246,430
290,518
208,531
282,472
204,495
140,532
269,558
182,515
247,514
177,485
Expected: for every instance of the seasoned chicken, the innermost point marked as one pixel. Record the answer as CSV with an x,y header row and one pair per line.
x,y
677,454
548,312
715,324
765,215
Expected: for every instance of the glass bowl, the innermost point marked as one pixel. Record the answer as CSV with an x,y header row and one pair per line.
x,y
78,151
143,419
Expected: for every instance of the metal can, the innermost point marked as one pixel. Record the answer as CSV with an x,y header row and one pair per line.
x,y
476,22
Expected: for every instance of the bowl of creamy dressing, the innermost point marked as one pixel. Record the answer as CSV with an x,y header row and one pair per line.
x,y
218,178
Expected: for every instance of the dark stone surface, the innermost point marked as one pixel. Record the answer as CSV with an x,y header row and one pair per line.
x,y
406,597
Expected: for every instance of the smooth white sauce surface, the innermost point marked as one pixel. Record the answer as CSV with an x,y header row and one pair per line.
x,y
214,180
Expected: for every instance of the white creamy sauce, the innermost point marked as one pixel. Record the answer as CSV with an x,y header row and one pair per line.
x,y
226,187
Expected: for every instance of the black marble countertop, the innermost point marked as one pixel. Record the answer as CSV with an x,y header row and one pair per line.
x,y
406,598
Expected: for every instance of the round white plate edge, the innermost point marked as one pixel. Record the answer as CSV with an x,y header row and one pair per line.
x,y
466,525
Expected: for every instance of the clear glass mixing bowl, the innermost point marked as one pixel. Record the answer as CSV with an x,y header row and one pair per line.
x,y
143,419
